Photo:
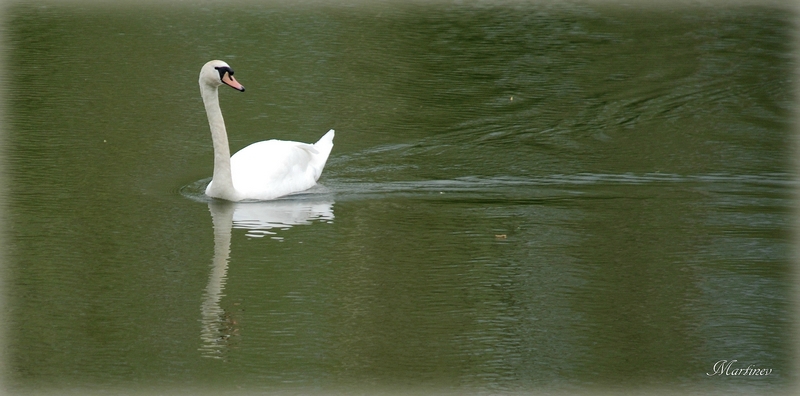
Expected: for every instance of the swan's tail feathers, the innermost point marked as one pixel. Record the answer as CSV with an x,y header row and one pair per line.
x,y
324,146
325,141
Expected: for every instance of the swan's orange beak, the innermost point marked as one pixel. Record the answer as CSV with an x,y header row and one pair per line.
x,y
231,82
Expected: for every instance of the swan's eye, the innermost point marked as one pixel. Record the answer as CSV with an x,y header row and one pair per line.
x,y
222,70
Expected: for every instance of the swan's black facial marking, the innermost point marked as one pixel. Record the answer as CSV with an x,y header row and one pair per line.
x,y
222,70
226,77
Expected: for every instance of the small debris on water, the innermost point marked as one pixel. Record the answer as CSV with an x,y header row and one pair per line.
x,y
500,236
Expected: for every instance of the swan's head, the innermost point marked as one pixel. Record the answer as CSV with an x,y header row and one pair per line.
x,y
216,73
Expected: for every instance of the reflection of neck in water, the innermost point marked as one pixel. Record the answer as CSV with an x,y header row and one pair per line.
x,y
213,319
258,218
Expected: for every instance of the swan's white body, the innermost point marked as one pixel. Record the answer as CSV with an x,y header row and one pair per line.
x,y
263,170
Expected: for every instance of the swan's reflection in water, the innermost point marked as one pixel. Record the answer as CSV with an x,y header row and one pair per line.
x,y
259,219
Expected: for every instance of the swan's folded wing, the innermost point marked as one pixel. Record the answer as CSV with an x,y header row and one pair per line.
x,y
308,147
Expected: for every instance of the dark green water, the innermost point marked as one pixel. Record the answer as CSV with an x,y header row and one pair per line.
x,y
522,198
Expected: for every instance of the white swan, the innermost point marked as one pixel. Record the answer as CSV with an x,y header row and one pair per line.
x,y
263,170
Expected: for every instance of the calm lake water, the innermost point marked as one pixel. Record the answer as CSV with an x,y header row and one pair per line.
x,y
522,198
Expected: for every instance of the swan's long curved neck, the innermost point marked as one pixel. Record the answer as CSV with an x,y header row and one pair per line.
x,y
222,180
